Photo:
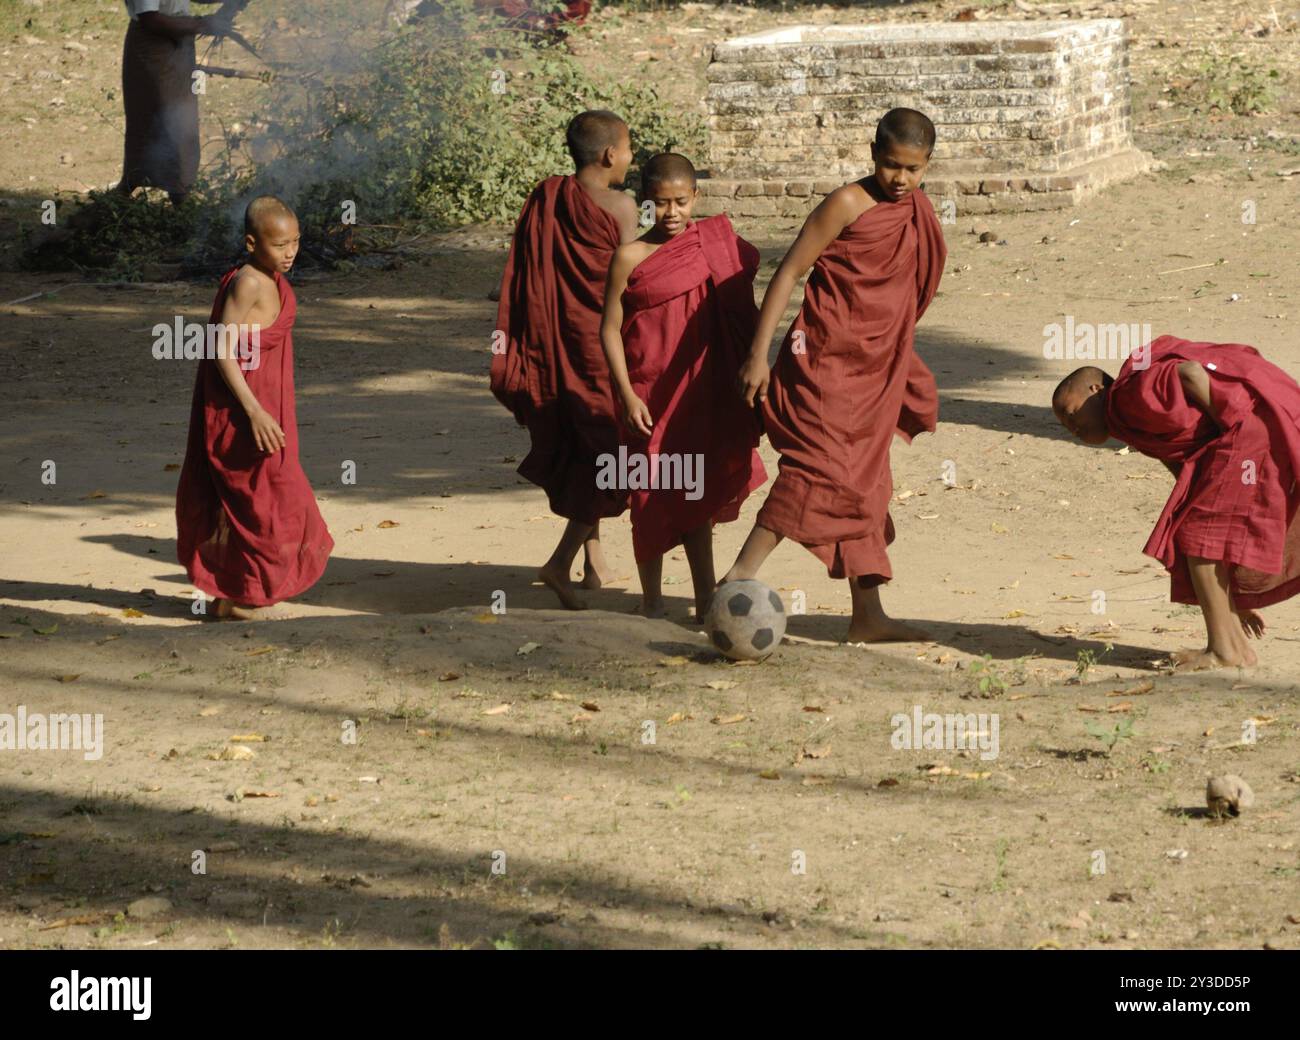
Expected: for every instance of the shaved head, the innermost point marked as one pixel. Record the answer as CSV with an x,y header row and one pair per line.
x,y
665,168
590,133
1078,381
1079,403
262,210
906,127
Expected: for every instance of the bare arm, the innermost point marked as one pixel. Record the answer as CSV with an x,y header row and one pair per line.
x,y
1196,387
240,301
835,212
635,412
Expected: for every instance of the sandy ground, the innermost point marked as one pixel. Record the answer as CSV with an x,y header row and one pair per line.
x,y
598,838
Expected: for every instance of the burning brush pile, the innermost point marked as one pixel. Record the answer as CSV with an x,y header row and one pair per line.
x,y
378,121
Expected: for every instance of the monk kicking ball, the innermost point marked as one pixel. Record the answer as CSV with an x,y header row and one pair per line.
x,y
847,378
247,528
548,368
679,315
1226,423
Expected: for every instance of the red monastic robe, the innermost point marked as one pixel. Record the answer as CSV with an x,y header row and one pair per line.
x,y
1235,496
247,525
846,380
688,319
549,368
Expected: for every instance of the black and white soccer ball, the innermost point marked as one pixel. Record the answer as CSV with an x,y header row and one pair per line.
x,y
746,620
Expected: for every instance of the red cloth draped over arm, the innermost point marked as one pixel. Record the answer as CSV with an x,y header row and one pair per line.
x,y
688,316
247,525
1235,497
847,379
550,371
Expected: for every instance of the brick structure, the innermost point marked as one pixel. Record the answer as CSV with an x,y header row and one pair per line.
x,y
1030,114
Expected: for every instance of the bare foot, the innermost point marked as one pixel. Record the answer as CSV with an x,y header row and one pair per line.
x,y
595,579
225,610
1200,659
1252,624
562,587
885,630
657,609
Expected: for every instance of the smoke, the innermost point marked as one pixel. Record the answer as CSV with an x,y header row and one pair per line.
x,y
312,142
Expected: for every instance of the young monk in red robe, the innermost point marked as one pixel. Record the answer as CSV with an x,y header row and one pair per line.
x,y
1227,425
679,315
547,363
847,379
247,528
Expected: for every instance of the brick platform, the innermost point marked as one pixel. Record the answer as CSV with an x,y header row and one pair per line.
x,y
1031,115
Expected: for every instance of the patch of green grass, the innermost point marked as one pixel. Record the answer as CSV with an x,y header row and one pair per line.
x,y
118,927
986,679
1229,83
1087,660
512,940
1110,736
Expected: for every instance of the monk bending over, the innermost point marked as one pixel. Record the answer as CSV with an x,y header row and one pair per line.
x,y
1226,423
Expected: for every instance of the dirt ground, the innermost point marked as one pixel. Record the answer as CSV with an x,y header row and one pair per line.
x,y
502,795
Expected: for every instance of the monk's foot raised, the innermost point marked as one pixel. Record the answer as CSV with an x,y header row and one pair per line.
x,y
1201,659
225,610
885,630
596,578
1252,624
562,587
735,574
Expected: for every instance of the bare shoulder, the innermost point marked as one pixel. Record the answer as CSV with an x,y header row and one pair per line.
x,y
252,286
623,209
253,296
612,202
619,203
850,200
629,254
831,216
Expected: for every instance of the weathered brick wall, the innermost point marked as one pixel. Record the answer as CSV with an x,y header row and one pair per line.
x,y
1023,109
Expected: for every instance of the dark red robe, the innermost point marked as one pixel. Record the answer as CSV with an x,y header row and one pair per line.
x,y
688,319
846,380
550,370
247,525
1235,496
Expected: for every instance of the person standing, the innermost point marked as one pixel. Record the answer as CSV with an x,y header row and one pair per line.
x,y
162,108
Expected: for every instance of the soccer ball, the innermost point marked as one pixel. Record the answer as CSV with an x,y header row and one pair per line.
x,y
746,620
